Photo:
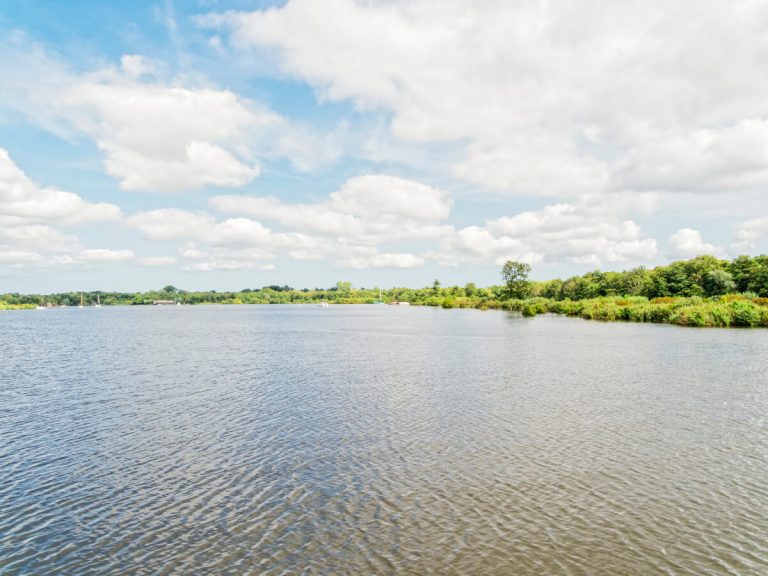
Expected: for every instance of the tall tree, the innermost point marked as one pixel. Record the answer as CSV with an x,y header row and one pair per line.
x,y
515,276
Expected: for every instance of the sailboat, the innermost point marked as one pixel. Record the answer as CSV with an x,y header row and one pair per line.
x,y
98,302
81,301
380,300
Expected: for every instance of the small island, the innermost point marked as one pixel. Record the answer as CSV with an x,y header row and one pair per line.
x,y
702,291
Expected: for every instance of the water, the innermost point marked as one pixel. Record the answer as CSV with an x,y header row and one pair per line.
x,y
377,439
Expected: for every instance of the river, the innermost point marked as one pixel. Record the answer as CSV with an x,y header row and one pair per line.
x,y
378,440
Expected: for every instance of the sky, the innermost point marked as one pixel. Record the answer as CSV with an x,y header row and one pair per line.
x,y
237,144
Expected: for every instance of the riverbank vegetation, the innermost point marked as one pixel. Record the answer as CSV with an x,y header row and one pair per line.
x,y
703,291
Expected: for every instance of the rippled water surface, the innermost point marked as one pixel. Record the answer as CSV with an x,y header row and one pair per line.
x,y
376,439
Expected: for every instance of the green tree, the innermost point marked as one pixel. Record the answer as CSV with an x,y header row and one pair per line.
x,y
436,287
344,287
717,282
515,276
743,269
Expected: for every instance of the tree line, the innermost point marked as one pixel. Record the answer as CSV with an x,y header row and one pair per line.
x,y
703,276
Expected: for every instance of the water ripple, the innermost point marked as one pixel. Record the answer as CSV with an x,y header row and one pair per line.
x,y
350,440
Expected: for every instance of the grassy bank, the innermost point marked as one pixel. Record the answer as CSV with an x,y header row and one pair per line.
x,y
722,311
7,306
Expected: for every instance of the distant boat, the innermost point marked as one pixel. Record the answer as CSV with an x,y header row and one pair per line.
x,y
399,303
323,304
380,300
81,301
98,302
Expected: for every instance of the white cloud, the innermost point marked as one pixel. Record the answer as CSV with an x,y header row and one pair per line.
x,y
176,224
348,226
166,138
365,212
386,260
746,234
38,238
726,158
688,243
366,209
171,224
591,231
19,257
23,201
105,255
28,212
157,261
157,134
210,245
226,259
135,65
373,210
547,98
40,245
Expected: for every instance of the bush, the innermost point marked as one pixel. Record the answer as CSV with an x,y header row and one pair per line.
x,y
732,297
691,316
529,310
745,313
663,300
721,315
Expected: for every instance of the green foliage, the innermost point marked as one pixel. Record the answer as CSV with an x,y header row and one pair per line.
x,y
745,313
703,291
515,276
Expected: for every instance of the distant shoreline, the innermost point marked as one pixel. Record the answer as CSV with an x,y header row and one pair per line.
x,y
725,311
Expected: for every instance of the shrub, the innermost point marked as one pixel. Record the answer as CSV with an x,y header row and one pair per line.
x,y
691,316
663,300
529,310
721,315
732,297
745,313
661,313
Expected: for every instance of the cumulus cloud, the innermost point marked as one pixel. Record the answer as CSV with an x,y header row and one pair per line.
x,y
105,255
29,214
747,233
591,231
366,209
165,138
349,226
176,224
687,243
42,245
157,261
157,134
373,210
553,99
24,201
210,245
386,260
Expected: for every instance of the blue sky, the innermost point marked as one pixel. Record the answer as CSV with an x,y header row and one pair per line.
x,y
237,144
